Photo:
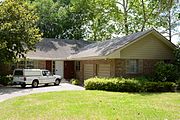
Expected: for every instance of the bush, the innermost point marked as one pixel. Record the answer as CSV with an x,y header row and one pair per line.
x,y
5,80
159,86
178,84
177,57
165,72
75,82
128,85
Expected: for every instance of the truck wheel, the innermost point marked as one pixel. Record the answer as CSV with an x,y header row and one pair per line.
x,y
57,82
35,84
23,85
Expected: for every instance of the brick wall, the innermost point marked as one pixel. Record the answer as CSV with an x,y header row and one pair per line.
x,y
148,66
118,67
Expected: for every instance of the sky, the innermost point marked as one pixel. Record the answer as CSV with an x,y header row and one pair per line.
x,y
175,39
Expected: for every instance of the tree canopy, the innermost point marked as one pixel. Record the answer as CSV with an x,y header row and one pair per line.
x,y
18,31
101,19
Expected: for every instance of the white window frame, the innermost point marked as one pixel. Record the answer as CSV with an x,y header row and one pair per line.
x,y
133,66
77,65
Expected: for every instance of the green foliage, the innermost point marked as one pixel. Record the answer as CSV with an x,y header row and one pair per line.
x,y
18,31
165,72
177,57
128,85
49,20
75,82
159,86
178,84
75,19
101,23
99,19
5,80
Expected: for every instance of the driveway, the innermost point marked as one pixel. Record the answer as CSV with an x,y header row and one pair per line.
x,y
14,91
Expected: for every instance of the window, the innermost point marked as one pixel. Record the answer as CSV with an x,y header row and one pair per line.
x,y
45,73
132,66
18,73
78,65
30,64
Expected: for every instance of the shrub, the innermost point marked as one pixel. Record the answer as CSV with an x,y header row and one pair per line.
x,y
165,72
5,80
159,86
177,57
128,85
178,84
144,78
75,82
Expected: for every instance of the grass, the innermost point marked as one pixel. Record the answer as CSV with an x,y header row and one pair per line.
x,y
92,105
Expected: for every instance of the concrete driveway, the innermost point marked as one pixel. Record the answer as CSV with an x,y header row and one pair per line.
x,y
14,91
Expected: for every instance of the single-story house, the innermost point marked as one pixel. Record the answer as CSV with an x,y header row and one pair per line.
x,y
131,55
50,54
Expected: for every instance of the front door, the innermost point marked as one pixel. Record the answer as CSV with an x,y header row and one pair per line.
x,y
49,65
59,68
68,70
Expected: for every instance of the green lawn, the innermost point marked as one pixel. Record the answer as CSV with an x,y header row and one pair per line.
x,y
92,105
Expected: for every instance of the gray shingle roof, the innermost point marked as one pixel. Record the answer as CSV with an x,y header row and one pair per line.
x,y
107,47
49,49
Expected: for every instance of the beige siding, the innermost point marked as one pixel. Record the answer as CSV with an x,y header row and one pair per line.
x,y
41,65
149,47
103,70
83,74
88,71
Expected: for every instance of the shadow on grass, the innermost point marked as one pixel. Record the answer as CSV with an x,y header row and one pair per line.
x,y
139,93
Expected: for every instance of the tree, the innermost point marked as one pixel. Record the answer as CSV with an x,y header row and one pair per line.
x,y
99,19
59,19
75,19
170,15
139,15
18,31
49,17
177,56
100,23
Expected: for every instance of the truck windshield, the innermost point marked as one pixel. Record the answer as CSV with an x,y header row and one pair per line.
x,y
18,73
46,73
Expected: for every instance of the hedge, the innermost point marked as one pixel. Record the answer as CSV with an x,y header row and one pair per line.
x,y
5,80
128,85
75,82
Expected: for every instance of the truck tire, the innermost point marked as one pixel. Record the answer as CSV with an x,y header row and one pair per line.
x,y
57,82
23,85
35,83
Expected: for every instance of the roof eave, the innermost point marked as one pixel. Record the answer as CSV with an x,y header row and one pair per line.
x,y
39,58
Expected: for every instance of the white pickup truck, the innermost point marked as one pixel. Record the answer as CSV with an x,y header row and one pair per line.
x,y
34,77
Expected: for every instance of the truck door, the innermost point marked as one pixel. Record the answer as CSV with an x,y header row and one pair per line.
x,y
44,78
50,77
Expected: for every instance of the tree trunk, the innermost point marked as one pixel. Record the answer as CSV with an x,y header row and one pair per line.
x,y
169,24
144,16
125,17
